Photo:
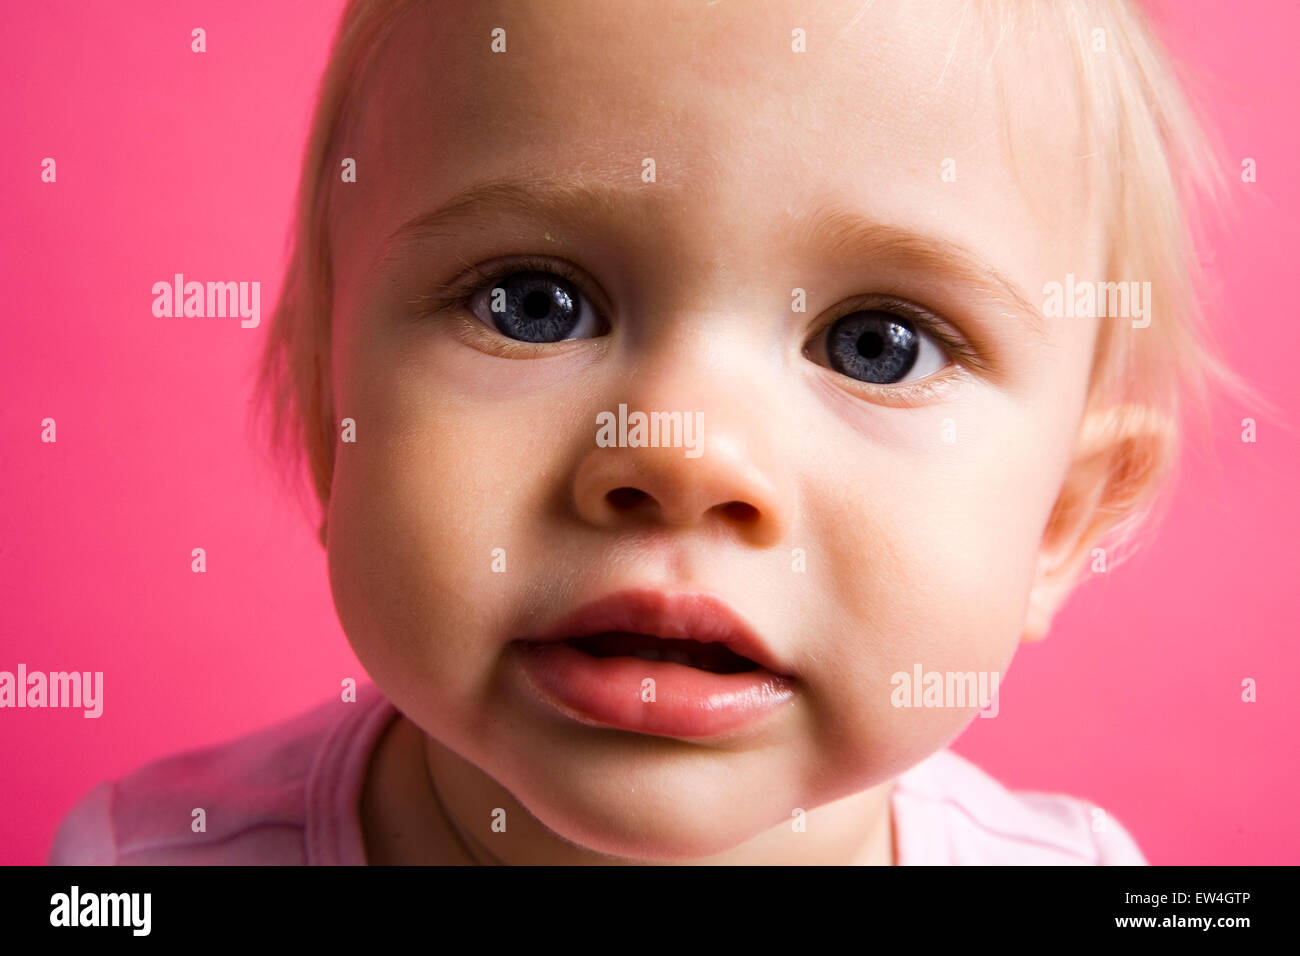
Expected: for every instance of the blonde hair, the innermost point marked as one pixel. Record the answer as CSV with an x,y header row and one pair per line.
x,y
1160,162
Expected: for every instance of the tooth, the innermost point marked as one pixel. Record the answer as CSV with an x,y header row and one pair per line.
x,y
647,653
677,657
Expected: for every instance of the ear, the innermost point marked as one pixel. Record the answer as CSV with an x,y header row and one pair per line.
x,y
1121,456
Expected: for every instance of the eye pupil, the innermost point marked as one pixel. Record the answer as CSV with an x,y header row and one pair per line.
x,y
870,345
537,305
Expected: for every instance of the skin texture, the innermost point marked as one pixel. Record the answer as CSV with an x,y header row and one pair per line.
x,y
918,549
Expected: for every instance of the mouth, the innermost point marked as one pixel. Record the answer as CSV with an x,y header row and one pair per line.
x,y
679,665
692,629
715,658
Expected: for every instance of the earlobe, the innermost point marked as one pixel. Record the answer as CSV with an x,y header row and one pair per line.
x,y
1050,589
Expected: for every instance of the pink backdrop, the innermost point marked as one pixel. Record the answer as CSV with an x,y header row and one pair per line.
x,y
169,162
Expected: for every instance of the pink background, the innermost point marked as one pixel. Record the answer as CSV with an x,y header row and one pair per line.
x,y
171,161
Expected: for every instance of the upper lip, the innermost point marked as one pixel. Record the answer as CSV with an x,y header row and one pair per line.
x,y
695,616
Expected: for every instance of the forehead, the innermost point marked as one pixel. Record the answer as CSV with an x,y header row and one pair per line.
x,y
745,133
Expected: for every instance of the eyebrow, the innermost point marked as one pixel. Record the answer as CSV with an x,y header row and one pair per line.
x,y
534,197
842,233
854,236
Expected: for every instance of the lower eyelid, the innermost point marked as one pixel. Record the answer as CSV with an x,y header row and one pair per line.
x,y
929,390
470,329
467,327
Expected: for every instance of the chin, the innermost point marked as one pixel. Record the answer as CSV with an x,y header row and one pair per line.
x,y
664,828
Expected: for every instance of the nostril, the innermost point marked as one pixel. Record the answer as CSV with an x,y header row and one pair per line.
x,y
740,512
624,498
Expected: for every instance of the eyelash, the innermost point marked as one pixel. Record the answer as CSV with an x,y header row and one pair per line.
x,y
458,293
956,347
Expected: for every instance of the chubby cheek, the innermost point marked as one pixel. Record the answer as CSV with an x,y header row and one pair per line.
x,y
932,569
431,517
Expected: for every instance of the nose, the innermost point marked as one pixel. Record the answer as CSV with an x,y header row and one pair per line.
x,y
733,481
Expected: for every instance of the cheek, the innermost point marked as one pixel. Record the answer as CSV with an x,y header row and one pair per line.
x,y
929,559
418,510
401,559
436,510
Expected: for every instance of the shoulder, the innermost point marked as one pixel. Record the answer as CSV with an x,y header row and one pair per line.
x,y
273,796
948,810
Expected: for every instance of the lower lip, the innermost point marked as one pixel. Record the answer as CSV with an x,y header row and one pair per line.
x,y
688,702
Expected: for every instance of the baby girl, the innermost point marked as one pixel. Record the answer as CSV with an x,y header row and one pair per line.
x,y
699,426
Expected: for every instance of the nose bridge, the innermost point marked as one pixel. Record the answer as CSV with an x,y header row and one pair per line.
x,y
684,440
709,361
701,368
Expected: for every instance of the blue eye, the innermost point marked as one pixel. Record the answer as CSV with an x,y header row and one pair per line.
x,y
535,307
880,348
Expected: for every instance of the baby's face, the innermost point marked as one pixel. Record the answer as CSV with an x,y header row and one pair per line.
x,y
764,240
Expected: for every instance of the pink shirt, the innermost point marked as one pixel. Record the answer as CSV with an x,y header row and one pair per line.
x,y
289,795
